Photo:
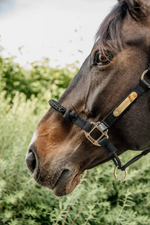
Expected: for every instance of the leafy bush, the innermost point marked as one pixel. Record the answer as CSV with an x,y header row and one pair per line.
x,y
98,200
40,80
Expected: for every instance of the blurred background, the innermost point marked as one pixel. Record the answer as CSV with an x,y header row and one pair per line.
x,y
42,45
62,30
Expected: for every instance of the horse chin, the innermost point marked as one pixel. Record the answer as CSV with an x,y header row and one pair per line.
x,y
61,185
65,186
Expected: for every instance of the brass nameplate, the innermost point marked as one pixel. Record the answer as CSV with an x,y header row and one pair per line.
x,y
125,104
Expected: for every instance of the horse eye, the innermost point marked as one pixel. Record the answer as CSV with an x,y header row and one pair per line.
x,y
101,59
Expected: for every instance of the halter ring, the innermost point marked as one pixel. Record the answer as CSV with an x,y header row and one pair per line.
x,y
143,75
116,175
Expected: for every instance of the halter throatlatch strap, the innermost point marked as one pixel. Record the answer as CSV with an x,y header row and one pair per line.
x,y
103,126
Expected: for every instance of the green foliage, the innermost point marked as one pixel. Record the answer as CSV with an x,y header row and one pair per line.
x,y
40,80
98,200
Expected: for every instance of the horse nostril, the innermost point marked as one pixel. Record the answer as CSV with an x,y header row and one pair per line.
x,y
31,161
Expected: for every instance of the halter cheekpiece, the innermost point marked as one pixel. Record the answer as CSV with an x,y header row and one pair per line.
x,y
103,126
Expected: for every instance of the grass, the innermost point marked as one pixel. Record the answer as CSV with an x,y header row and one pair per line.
x,y
98,200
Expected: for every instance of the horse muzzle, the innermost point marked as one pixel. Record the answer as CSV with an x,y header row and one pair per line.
x,y
62,180
32,161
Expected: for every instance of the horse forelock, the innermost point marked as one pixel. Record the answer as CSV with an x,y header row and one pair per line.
x,y
109,33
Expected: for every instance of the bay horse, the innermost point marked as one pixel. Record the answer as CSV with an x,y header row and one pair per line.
x,y
110,92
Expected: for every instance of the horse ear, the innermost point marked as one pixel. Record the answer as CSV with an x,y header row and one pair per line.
x,y
138,8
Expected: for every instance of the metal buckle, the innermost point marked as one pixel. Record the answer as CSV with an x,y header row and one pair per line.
x,y
92,140
142,77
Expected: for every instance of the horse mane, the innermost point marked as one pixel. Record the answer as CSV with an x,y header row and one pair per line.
x,y
109,32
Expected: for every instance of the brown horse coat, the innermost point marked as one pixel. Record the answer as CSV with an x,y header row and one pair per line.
x,y
59,151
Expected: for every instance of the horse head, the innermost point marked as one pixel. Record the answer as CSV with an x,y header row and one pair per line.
x,y
59,151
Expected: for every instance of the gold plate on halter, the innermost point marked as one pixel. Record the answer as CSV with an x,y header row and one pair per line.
x,y
125,175
125,104
91,139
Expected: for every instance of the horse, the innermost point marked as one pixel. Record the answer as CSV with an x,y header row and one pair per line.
x,y
105,110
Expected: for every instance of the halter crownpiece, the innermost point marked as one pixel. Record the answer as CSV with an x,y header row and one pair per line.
x,y
103,126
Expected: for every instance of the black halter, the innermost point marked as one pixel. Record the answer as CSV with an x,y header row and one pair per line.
x,y
105,124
